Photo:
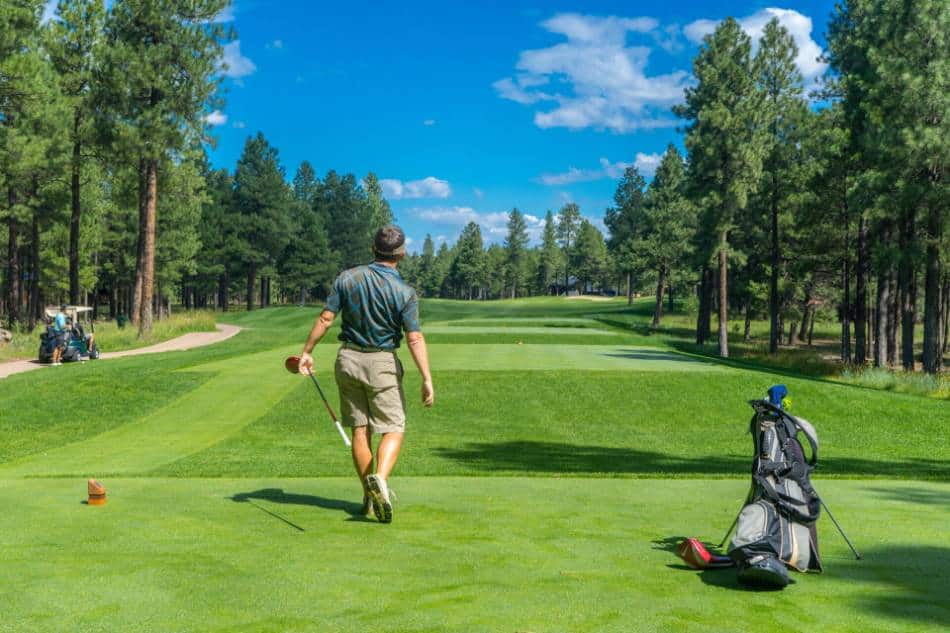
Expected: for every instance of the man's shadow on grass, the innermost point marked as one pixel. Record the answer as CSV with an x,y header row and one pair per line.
x,y
277,495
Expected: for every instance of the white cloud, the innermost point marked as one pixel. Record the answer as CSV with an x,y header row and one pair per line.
x,y
276,44
216,118
226,15
240,125
429,187
594,79
478,193
236,64
494,225
798,25
429,122
646,164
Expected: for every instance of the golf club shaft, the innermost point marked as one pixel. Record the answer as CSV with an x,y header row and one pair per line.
x,y
735,521
840,531
326,403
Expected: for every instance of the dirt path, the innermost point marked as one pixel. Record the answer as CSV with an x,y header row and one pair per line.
x,y
179,344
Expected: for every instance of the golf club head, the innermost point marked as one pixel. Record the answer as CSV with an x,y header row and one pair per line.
x,y
292,364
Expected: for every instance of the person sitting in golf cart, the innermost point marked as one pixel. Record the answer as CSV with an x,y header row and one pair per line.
x,y
79,334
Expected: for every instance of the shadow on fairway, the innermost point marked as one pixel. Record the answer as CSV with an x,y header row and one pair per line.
x,y
558,457
277,495
725,578
922,496
914,580
655,355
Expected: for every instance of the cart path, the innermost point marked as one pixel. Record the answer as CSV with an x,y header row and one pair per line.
x,y
178,344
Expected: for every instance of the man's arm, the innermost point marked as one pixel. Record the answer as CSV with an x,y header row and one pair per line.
x,y
417,347
320,327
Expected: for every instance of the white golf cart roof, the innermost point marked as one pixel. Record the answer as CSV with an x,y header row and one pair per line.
x,y
73,311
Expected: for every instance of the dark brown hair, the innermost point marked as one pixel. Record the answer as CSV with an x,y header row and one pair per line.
x,y
389,243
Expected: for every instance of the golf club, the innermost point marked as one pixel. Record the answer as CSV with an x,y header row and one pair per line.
x,y
292,364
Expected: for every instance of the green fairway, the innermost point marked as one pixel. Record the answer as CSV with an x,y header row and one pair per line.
x,y
543,492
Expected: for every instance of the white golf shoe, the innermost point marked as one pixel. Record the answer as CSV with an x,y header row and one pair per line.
x,y
382,504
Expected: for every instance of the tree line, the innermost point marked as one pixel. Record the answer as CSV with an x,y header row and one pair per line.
x,y
784,205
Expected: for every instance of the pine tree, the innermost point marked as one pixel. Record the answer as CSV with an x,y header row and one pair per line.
x,y
74,43
516,245
262,209
468,268
160,74
380,212
590,255
784,111
724,138
623,222
662,238
550,259
568,224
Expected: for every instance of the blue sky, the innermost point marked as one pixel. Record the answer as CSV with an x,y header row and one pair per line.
x,y
467,109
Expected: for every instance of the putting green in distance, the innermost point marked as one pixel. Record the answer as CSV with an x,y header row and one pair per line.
x,y
514,329
493,357
464,554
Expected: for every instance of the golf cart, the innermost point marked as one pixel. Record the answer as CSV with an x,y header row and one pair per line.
x,y
76,344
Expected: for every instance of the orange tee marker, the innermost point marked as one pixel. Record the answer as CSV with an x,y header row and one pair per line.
x,y
97,493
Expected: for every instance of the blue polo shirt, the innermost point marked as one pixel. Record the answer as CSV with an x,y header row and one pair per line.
x,y
376,306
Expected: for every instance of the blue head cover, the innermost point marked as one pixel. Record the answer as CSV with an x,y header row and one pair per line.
x,y
777,393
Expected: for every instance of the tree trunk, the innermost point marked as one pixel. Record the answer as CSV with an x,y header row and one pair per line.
x,y
251,285
629,288
882,308
846,291
658,309
669,293
148,252
811,327
775,335
76,210
747,329
793,334
223,288
263,289
861,321
13,263
933,354
705,305
723,296
36,311
136,304
893,317
906,280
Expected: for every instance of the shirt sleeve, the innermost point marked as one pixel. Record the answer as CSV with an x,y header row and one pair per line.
x,y
333,301
410,314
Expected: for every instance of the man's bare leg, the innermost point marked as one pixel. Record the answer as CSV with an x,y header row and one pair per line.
x,y
362,453
387,453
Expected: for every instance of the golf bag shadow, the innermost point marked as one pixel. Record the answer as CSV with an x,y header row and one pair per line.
x,y
776,527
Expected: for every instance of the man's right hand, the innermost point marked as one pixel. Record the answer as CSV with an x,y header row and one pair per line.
x,y
306,364
428,393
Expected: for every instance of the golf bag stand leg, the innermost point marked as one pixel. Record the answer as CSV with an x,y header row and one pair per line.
x,y
840,531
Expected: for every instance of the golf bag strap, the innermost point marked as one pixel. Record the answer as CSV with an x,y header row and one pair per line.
x,y
810,434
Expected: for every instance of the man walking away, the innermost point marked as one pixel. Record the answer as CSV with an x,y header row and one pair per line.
x,y
377,306
59,327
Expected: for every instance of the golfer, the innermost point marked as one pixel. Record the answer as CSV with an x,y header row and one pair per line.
x,y
377,306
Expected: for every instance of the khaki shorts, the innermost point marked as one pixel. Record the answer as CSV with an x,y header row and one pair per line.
x,y
370,385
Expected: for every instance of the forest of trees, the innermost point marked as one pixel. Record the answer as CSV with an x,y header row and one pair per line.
x,y
790,202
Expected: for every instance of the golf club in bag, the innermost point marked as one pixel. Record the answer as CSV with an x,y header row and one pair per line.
x,y
292,364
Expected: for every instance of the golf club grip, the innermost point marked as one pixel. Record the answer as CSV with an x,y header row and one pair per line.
x,y
339,428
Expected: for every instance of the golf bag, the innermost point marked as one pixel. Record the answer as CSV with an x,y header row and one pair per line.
x,y
48,342
776,528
